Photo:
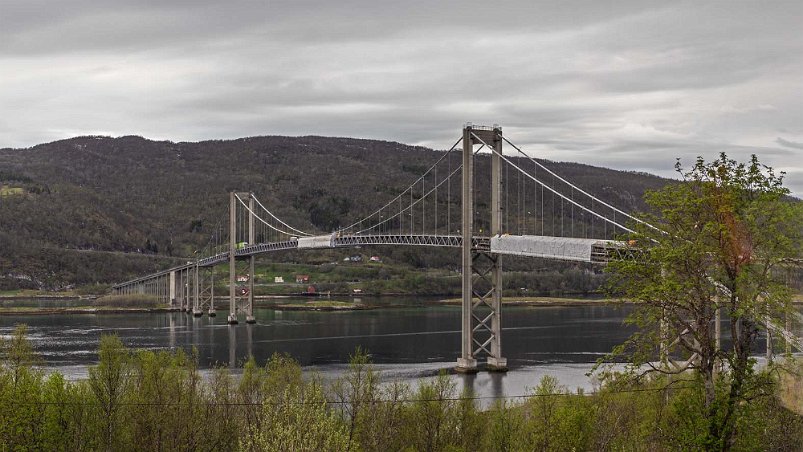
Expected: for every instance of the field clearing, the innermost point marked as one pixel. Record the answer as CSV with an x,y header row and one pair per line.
x,y
6,190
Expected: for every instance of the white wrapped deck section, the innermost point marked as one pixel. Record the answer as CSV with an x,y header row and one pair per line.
x,y
318,241
562,248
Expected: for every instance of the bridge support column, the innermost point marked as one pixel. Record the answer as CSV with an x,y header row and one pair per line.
x,y
232,259
466,362
495,360
482,270
180,289
188,291
177,290
212,312
183,289
172,289
249,308
196,292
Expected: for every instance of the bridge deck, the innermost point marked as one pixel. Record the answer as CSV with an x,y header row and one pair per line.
x,y
545,247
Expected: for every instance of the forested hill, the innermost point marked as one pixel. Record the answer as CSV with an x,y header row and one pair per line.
x,y
103,209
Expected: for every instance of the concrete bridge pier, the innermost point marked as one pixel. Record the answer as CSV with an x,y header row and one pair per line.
x,y
196,296
211,311
179,289
172,289
188,291
249,307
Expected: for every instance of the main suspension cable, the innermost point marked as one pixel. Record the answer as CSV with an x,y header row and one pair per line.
x,y
398,197
563,197
260,218
580,189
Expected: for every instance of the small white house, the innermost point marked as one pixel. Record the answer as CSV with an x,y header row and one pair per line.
x,y
278,279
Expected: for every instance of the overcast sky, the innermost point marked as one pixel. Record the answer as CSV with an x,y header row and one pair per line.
x,y
628,85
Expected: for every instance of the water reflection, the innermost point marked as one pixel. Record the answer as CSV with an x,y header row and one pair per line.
x,y
393,335
406,343
232,346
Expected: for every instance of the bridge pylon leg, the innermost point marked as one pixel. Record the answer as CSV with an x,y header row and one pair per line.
x,y
249,308
183,288
232,259
466,363
179,290
196,292
212,312
188,294
495,361
171,296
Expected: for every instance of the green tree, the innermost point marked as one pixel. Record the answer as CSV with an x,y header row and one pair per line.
x,y
109,382
433,416
295,415
19,354
169,381
84,420
717,238
505,428
20,394
542,409
222,431
250,393
356,392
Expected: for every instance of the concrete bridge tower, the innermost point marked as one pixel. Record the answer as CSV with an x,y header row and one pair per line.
x,y
482,270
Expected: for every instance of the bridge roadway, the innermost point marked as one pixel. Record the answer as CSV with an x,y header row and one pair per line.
x,y
546,247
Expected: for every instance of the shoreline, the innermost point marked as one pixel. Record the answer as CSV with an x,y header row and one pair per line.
x,y
24,310
290,307
316,305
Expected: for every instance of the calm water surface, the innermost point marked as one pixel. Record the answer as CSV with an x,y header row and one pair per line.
x,y
407,343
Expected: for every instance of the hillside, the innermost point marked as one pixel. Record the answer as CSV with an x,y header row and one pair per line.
x,y
99,209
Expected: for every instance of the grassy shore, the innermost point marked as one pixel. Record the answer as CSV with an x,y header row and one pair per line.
x,y
33,310
107,304
323,305
41,294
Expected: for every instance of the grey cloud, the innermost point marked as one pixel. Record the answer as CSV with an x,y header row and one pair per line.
x,y
28,26
789,144
630,85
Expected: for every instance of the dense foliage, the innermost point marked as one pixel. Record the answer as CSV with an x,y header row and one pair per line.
x,y
146,400
716,246
73,211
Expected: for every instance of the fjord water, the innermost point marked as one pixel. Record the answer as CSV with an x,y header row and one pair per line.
x,y
407,343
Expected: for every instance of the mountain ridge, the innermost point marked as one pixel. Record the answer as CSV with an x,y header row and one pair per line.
x,y
163,198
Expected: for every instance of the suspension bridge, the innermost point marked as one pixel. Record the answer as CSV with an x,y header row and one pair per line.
x,y
517,206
